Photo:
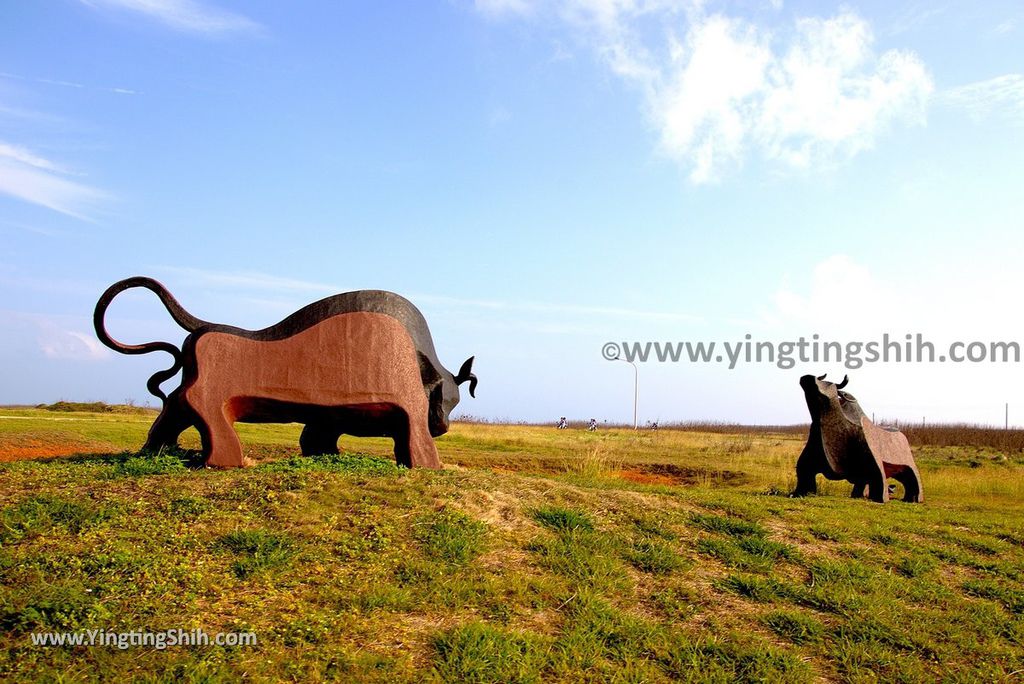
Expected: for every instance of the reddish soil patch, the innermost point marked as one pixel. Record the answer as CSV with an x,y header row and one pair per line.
x,y
641,477
639,473
669,474
36,448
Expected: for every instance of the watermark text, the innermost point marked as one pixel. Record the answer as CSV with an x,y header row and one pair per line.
x,y
159,640
909,348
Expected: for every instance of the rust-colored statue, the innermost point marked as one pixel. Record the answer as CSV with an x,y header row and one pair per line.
x,y
844,444
360,363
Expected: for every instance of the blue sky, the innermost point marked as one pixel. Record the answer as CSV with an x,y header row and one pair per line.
x,y
539,177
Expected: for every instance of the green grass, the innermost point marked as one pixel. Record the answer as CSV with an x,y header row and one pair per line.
x,y
39,514
151,464
795,626
729,526
451,536
256,551
477,652
654,556
753,587
540,555
341,463
563,520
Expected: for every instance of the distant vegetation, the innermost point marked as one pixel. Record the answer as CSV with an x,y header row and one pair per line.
x,y
938,434
93,407
964,434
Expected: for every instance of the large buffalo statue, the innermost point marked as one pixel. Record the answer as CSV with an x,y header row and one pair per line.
x,y
360,363
844,444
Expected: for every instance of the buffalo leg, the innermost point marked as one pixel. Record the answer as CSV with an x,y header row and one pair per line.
x,y
878,488
878,491
422,450
225,450
911,481
403,456
174,419
806,474
858,490
215,419
319,438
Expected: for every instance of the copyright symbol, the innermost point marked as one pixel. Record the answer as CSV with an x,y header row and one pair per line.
x,y
610,351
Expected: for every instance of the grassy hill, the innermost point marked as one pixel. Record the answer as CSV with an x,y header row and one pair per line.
x,y
536,555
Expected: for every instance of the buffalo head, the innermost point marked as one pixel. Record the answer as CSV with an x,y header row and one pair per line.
x,y
443,388
823,396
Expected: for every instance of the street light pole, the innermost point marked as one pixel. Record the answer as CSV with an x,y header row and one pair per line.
x,y
636,389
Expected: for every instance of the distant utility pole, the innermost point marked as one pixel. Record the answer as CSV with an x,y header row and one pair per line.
x,y
636,388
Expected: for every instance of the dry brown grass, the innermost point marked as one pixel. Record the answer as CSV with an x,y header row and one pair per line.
x,y
938,434
964,435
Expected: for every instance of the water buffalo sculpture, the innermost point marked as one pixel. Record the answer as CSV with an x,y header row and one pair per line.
x,y
844,444
360,363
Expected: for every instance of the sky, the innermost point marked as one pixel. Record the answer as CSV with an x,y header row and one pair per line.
x,y
540,177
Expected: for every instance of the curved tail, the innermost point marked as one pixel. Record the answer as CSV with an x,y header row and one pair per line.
x,y
177,311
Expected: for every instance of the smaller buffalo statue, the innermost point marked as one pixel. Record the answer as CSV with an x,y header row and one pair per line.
x,y
359,363
844,444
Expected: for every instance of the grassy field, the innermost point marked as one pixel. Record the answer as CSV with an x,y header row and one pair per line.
x,y
535,555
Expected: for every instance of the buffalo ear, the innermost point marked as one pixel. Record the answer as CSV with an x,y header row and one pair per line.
x,y
466,373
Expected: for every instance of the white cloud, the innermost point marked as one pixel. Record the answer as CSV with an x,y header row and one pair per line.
x,y
913,16
72,345
55,336
723,89
829,94
1002,95
30,228
845,301
64,84
26,156
732,90
247,279
499,116
548,308
254,280
704,110
841,298
32,178
185,15
844,296
500,7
